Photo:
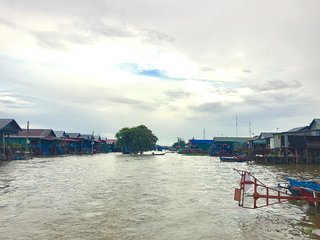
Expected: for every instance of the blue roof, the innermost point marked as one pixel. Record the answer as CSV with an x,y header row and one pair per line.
x,y
199,141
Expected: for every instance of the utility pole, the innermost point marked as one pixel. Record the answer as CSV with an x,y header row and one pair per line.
x,y
204,134
27,138
236,125
249,129
92,142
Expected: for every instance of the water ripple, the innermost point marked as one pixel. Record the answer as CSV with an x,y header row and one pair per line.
x,y
114,196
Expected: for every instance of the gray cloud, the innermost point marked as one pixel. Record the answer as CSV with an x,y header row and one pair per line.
x,y
81,32
277,85
177,94
9,100
8,23
101,26
214,83
156,35
132,102
207,69
216,107
227,91
49,39
59,8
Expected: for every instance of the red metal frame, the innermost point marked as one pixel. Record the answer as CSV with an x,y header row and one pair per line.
x,y
311,196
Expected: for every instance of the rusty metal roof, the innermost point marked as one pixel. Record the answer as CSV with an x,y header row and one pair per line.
x,y
47,134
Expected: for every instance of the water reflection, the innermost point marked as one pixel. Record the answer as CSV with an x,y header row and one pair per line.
x,y
137,197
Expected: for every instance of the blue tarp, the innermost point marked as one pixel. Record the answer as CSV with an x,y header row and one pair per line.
x,y
303,184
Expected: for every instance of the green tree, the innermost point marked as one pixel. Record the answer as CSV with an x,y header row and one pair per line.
x,y
179,144
136,139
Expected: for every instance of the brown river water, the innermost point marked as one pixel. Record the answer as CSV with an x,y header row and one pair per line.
x,y
115,196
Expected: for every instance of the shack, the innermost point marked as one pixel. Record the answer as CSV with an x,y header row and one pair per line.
x,y
262,144
302,144
41,142
229,146
197,146
72,144
87,143
7,127
298,145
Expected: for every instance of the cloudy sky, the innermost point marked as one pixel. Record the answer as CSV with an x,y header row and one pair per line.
x,y
178,67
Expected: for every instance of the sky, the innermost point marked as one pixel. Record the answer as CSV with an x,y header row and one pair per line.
x,y
198,68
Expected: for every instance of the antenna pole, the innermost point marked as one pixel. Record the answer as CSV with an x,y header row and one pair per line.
x,y
236,125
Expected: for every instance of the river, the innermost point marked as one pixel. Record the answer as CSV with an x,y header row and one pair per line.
x,y
114,196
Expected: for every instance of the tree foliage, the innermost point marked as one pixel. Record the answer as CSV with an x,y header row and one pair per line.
x,y
136,139
179,144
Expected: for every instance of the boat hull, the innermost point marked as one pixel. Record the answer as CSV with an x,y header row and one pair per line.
x,y
233,159
299,188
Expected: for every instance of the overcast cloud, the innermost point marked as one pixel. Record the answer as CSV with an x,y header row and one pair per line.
x,y
177,67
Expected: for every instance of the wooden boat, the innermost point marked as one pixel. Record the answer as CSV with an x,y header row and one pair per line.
x,y
297,188
153,153
158,153
233,159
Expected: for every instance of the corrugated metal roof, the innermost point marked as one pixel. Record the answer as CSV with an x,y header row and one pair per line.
x,y
231,139
298,129
4,122
73,135
9,126
36,133
87,136
266,135
315,124
60,134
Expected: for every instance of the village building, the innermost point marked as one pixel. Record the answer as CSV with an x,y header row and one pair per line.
x,y
7,127
229,146
301,144
112,145
197,146
72,144
41,142
261,145
298,145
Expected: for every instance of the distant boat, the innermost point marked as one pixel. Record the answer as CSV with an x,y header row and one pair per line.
x,y
154,153
158,153
233,159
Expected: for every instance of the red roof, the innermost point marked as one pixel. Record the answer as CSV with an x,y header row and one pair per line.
x,y
111,141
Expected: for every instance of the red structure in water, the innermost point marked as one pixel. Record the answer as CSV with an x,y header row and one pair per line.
x,y
261,195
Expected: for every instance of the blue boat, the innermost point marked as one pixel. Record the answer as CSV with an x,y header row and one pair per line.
x,y
233,159
296,186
